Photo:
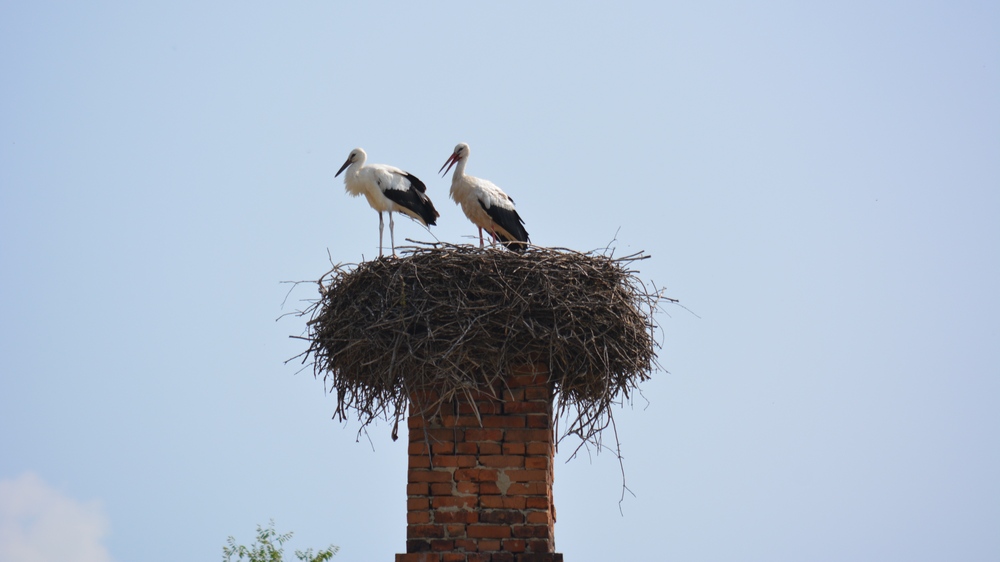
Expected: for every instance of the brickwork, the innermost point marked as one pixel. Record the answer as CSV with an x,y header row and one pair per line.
x,y
480,488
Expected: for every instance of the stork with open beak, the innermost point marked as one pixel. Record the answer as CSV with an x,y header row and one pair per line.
x,y
485,204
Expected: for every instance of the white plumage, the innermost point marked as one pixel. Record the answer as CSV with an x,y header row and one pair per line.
x,y
387,189
485,204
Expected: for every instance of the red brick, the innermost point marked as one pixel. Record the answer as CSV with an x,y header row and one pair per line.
x,y
416,517
417,448
528,475
512,395
414,422
528,435
531,531
417,489
501,516
502,461
538,545
514,545
537,463
536,502
418,475
489,489
419,461
416,504
466,448
440,434
453,557
513,448
527,489
418,545
502,557
440,545
461,502
540,557
537,421
505,502
467,545
443,448
444,461
505,420
489,545
442,489
455,530
489,448
539,517
456,517
419,557
483,407
479,394
538,448
489,532
425,531
466,488
475,475
483,435
459,421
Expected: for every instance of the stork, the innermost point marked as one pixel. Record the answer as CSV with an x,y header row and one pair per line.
x,y
387,188
485,204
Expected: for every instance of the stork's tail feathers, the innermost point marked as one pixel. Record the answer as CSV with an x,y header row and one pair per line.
x,y
428,212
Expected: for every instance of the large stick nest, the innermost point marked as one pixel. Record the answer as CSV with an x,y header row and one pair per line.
x,y
457,318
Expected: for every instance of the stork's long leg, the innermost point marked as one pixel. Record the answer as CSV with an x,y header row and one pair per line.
x,y
392,235
480,237
381,227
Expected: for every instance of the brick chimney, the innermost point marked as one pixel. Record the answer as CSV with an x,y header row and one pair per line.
x,y
479,487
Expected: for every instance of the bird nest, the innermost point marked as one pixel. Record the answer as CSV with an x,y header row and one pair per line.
x,y
457,318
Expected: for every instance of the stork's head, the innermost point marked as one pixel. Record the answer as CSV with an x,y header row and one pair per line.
x,y
356,155
461,151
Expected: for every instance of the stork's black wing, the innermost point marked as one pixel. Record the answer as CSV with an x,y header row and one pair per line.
x,y
406,190
513,236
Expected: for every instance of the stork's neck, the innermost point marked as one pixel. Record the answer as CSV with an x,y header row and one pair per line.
x,y
359,163
352,183
354,169
459,170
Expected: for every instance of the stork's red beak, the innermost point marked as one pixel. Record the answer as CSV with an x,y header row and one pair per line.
x,y
344,167
449,163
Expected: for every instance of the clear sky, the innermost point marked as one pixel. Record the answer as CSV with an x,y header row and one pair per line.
x,y
820,184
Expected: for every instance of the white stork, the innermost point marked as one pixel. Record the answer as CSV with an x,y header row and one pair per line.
x,y
486,205
387,189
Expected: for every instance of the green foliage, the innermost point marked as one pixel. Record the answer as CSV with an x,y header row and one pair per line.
x,y
269,548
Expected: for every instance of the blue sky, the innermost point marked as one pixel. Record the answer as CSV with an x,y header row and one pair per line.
x,y
818,183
